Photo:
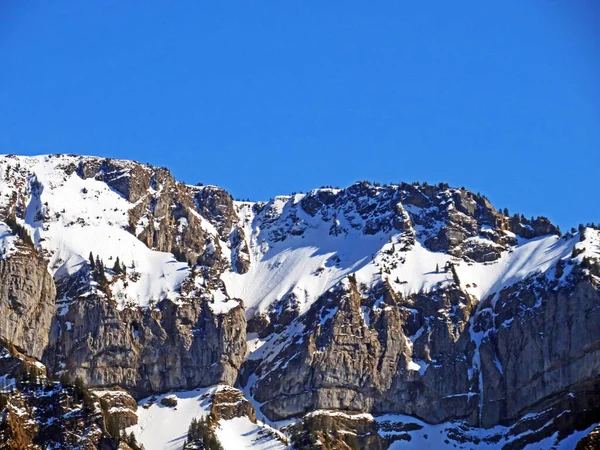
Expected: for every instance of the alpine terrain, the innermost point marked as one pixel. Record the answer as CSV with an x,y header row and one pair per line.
x,y
137,311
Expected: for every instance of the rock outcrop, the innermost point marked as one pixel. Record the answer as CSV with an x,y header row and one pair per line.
x,y
440,356
348,358
27,299
145,350
539,342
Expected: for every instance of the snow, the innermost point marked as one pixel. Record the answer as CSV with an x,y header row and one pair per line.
x,y
440,436
165,428
417,273
290,266
306,265
291,252
309,264
328,315
327,412
223,306
590,247
240,433
82,216
7,241
414,366
529,257
220,303
423,365
102,392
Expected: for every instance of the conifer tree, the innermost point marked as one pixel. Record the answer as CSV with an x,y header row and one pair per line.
x,y
117,269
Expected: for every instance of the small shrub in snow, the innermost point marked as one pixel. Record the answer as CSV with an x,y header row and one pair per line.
x,y
169,401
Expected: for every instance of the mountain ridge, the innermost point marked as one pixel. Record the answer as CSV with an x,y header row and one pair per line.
x,y
399,299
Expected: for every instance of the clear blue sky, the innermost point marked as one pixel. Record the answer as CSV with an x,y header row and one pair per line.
x,y
266,98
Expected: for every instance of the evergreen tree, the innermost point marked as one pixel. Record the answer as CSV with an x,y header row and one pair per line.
x,y
117,269
19,230
202,430
92,263
454,275
99,272
581,232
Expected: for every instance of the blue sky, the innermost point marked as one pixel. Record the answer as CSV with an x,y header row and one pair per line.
x,y
266,98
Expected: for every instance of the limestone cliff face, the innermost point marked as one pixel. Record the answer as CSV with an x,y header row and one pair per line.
x,y
540,343
27,296
146,350
351,359
490,364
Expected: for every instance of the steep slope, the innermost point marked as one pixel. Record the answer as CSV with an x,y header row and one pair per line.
x,y
406,300
131,315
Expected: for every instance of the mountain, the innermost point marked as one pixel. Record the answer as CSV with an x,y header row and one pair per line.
x,y
396,316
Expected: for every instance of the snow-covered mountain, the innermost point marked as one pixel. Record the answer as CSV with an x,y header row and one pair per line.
x,y
395,312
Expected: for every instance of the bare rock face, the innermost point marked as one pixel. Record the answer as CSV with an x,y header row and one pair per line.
x,y
337,431
27,296
58,419
148,350
37,413
127,177
440,357
349,361
229,403
119,405
216,205
542,341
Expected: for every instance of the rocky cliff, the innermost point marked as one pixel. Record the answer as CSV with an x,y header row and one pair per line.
x,y
27,298
382,311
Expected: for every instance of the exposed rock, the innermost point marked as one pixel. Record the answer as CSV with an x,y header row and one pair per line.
x,y
341,363
27,297
240,252
333,431
229,403
119,404
530,229
542,342
36,413
147,350
539,344
170,401
216,205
